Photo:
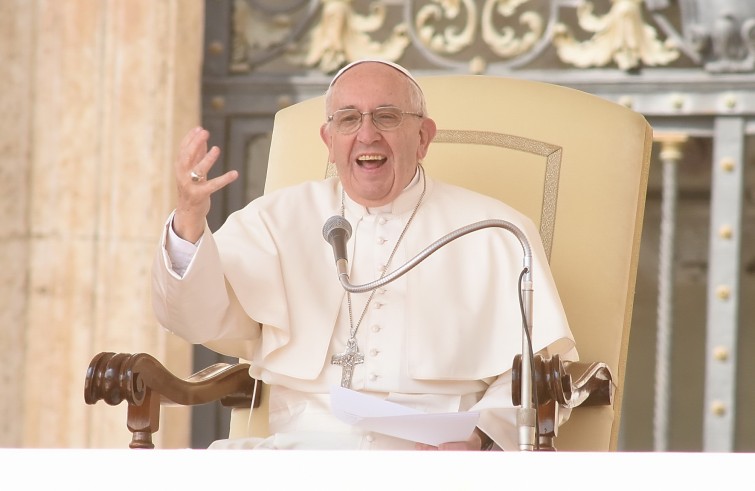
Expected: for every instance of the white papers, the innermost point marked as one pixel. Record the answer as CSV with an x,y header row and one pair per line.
x,y
393,419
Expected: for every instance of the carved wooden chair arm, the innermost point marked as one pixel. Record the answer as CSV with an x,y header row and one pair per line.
x,y
563,385
145,384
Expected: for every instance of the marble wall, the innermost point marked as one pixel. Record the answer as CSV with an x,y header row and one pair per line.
x,y
94,98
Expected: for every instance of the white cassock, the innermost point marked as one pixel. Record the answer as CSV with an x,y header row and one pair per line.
x,y
441,338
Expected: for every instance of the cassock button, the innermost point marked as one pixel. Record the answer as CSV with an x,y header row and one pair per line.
x,y
375,328
382,220
374,352
370,438
373,377
381,240
378,305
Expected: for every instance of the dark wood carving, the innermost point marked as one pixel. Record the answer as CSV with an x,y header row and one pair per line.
x,y
145,384
562,384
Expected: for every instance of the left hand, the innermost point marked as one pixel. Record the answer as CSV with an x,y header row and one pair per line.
x,y
473,443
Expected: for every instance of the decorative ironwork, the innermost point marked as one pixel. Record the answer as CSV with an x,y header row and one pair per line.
x,y
505,42
501,34
342,35
620,36
722,31
717,34
262,31
450,39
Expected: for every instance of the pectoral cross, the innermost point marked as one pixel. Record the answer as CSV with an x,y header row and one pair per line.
x,y
350,357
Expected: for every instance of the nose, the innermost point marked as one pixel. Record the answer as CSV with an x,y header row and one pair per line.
x,y
368,132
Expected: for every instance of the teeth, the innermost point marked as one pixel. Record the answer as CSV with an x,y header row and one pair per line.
x,y
371,157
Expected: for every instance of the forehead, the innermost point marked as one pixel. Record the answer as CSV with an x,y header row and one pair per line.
x,y
370,84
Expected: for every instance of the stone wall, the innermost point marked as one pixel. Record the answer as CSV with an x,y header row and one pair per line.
x,y
95,98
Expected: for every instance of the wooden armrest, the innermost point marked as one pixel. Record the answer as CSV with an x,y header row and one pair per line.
x,y
563,385
145,384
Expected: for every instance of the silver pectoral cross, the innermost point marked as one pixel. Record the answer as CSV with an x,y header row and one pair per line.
x,y
350,357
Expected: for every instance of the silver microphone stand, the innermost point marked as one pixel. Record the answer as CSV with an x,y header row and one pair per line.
x,y
527,413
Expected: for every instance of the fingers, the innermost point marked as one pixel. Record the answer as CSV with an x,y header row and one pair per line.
x,y
473,443
424,446
193,154
455,446
216,183
203,162
193,147
192,166
452,446
189,136
195,162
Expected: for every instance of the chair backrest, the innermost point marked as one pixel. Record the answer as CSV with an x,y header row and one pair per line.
x,y
575,163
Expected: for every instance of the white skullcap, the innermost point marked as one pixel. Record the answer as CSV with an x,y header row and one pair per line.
x,y
375,60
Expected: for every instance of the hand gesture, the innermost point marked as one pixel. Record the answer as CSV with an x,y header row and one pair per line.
x,y
475,442
194,189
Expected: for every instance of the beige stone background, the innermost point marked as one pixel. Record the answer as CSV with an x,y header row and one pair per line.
x,y
94,98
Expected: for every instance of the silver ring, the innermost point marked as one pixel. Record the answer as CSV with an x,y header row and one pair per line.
x,y
196,177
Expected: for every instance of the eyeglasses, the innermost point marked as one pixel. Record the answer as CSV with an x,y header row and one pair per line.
x,y
385,118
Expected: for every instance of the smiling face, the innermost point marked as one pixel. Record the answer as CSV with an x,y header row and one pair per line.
x,y
376,165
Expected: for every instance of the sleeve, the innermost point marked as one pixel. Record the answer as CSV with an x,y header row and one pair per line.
x,y
179,252
199,305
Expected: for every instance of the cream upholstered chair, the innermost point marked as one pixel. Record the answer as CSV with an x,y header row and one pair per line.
x,y
576,164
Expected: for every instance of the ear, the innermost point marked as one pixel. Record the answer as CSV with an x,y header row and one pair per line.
x,y
325,135
327,139
426,134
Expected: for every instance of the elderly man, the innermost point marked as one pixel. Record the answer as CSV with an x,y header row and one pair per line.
x,y
440,338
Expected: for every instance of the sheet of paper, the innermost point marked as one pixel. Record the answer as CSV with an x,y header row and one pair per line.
x,y
393,419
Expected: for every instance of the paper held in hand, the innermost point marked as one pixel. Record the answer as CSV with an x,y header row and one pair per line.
x,y
399,421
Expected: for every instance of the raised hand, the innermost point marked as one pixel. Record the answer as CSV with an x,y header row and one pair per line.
x,y
192,165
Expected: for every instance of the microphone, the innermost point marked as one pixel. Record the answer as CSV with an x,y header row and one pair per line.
x,y
336,232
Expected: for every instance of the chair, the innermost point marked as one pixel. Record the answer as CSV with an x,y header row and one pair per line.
x,y
573,162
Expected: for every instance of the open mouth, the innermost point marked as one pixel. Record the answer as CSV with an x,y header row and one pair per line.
x,y
369,161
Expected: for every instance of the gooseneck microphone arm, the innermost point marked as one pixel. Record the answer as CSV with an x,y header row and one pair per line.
x,y
338,229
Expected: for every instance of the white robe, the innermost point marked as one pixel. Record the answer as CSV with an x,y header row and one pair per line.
x,y
440,338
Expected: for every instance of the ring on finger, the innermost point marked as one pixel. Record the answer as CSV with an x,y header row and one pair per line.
x,y
196,177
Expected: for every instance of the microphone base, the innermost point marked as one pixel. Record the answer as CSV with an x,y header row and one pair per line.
x,y
525,422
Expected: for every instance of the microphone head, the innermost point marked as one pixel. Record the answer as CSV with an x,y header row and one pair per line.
x,y
333,224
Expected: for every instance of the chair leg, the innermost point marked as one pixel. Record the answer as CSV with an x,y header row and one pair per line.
x,y
144,420
547,415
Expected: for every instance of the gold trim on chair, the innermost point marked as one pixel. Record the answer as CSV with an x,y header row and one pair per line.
x,y
552,154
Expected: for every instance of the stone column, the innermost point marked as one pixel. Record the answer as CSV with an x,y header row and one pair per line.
x,y
96,97
15,120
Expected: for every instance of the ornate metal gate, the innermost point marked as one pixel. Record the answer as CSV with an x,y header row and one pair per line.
x,y
687,65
